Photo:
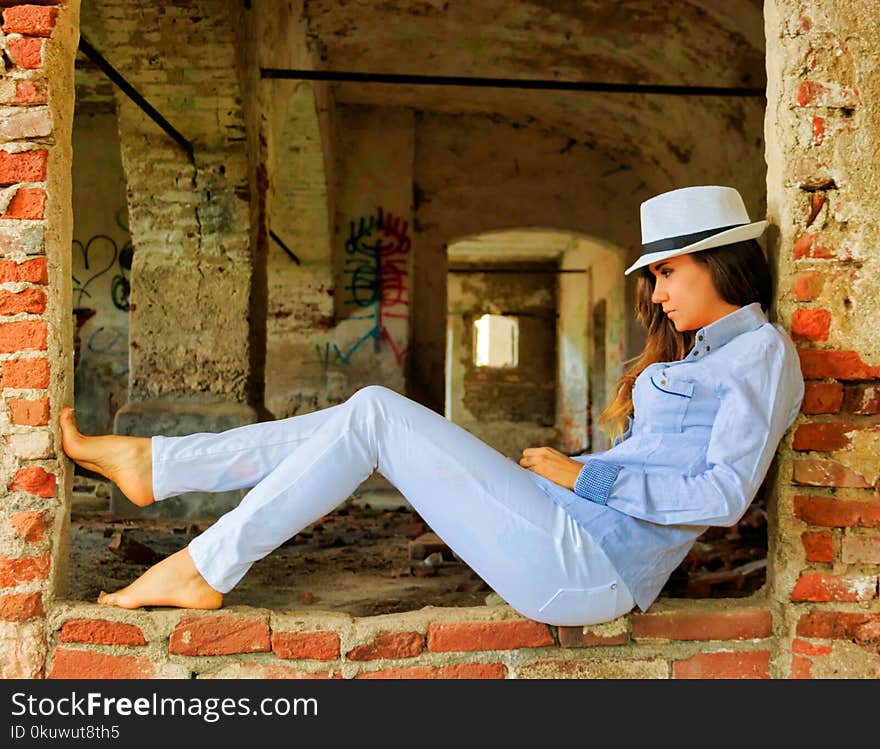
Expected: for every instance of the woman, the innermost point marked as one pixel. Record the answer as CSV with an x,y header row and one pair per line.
x,y
566,541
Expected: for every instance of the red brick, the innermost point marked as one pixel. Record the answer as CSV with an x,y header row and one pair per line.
x,y
802,245
860,549
808,285
583,637
817,364
808,648
818,130
822,398
810,324
27,166
30,271
23,335
17,570
825,436
33,413
869,630
34,480
739,665
503,635
703,625
862,399
808,91
837,513
29,526
19,607
801,668
460,671
319,646
101,632
32,301
817,586
219,635
28,203
818,546
30,92
32,20
25,373
807,246
827,473
87,664
25,53
839,625
389,645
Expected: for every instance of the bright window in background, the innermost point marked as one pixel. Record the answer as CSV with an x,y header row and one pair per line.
x,y
496,341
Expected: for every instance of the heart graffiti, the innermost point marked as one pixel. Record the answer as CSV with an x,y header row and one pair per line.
x,y
102,252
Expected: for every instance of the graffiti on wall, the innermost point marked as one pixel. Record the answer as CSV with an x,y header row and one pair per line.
x,y
93,260
99,255
375,271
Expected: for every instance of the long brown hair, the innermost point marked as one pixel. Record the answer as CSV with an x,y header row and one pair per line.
x,y
741,276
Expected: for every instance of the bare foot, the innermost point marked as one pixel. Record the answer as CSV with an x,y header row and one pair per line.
x,y
126,461
174,581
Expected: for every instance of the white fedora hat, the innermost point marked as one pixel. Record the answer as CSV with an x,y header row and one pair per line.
x,y
692,219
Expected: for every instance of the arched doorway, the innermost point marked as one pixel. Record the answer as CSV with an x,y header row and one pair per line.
x,y
562,297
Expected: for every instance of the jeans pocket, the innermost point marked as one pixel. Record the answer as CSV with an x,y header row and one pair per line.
x,y
576,607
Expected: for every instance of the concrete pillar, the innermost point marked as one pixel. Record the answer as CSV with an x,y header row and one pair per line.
x,y
197,325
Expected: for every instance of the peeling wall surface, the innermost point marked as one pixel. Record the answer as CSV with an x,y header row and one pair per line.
x,y
304,250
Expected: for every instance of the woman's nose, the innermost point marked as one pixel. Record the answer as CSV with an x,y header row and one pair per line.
x,y
659,296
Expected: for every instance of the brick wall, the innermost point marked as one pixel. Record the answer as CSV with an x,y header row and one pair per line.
x,y
36,106
819,616
823,168
709,640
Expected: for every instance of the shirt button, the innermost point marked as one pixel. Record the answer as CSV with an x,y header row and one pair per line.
x,y
613,586
708,347
696,353
662,382
700,337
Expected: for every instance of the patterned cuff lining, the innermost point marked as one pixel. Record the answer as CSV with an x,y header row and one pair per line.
x,y
595,480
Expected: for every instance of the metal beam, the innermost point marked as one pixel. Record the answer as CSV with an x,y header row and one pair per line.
x,y
339,76
114,75
280,243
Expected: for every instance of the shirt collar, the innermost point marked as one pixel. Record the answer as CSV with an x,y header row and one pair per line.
x,y
725,329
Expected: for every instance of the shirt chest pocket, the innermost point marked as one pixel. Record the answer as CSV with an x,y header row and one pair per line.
x,y
668,403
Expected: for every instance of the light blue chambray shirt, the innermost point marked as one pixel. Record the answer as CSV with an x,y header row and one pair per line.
x,y
702,436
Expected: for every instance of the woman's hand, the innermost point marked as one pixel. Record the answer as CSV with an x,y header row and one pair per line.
x,y
551,464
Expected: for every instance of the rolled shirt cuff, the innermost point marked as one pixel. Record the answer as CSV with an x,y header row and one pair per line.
x,y
595,480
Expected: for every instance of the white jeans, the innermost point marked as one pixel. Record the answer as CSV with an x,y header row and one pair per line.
x,y
484,506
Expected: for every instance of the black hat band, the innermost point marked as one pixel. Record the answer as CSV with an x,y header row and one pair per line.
x,y
676,243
